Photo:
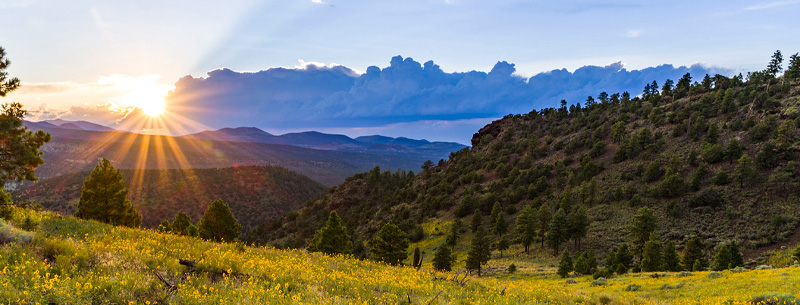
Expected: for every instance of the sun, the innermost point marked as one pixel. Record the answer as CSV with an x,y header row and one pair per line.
x,y
141,92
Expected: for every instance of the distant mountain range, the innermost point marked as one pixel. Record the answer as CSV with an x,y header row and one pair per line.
x,y
381,145
77,146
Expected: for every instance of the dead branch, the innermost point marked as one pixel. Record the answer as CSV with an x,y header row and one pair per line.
x,y
169,285
434,298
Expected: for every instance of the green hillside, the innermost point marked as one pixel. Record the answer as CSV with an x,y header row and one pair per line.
x,y
255,193
676,149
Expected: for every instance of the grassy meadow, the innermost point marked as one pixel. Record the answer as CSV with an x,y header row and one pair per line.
x,y
49,258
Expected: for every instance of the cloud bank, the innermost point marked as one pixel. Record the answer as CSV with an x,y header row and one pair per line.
x,y
316,97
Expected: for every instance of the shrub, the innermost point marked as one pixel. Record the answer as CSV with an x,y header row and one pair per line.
x,y
599,282
632,287
771,298
512,268
602,273
684,274
621,269
714,275
763,267
604,300
571,281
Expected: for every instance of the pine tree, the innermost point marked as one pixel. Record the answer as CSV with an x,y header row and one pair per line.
x,y
452,238
774,66
390,245
476,221
565,264
743,172
793,71
479,252
578,225
722,259
557,231
736,255
734,150
104,198
581,266
672,262
6,85
218,223
443,258
499,225
651,256
502,245
181,223
526,226
693,252
332,238
543,217
644,223
164,227
712,134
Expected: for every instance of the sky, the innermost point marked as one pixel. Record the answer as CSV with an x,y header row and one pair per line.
x,y
461,63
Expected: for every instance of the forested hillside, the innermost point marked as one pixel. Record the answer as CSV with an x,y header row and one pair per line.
x,y
255,194
713,156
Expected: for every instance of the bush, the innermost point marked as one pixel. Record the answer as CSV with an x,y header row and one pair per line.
x,y
602,273
763,267
738,269
621,269
771,298
714,275
599,282
571,281
604,300
512,268
684,273
632,287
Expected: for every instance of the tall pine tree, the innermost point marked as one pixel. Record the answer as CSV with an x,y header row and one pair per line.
x,y
104,197
479,252
390,245
218,223
332,238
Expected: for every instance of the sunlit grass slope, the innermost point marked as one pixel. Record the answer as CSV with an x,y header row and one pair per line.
x,y
48,258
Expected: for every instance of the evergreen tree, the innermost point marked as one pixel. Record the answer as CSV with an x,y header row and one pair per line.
x,y
736,255
104,198
591,261
477,220
442,258
332,238
672,262
734,150
6,85
543,217
712,134
479,252
767,157
502,245
581,265
499,225
644,223
192,231
722,259
390,245
565,264
218,223
578,225
793,72
774,66
743,172
164,227
651,256
452,238
557,231
693,252
526,226
624,256
181,223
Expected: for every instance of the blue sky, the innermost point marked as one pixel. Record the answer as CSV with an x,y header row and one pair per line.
x,y
75,58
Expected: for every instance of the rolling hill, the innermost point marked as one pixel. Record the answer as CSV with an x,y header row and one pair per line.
x,y
715,158
255,194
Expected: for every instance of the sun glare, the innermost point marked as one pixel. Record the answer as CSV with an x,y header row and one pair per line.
x,y
140,92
